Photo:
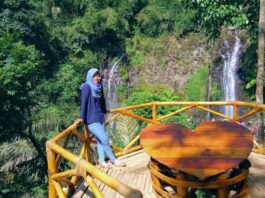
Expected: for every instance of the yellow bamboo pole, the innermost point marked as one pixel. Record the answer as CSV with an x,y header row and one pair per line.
x,y
129,151
74,178
82,153
118,186
235,112
214,112
51,171
87,144
136,116
198,184
116,148
155,179
195,103
181,191
78,134
132,142
200,103
111,119
95,190
63,174
222,192
66,181
64,133
174,113
117,110
74,181
59,190
154,113
248,114
248,104
112,146
59,158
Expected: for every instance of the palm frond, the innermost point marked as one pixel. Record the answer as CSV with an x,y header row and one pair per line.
x,y
126,129
14,153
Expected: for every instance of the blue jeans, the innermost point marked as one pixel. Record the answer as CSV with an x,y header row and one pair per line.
x,y
102,138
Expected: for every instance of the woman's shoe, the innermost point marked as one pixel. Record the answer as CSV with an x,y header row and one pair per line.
x,y
118,163
103,164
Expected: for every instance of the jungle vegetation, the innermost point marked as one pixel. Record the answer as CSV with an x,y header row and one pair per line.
x,y
46,47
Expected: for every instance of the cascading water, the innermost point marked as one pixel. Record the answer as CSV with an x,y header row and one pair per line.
x,y
230,80
112,97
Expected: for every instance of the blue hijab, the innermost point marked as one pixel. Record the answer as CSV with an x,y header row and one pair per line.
x,y
95,87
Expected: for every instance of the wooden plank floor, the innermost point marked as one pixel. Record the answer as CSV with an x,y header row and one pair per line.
x,y
136,175
256,180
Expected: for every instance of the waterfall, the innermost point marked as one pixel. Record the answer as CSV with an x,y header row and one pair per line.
x,y
112,97
230,80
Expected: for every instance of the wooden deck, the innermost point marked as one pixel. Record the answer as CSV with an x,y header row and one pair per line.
x,y
136,175
256,180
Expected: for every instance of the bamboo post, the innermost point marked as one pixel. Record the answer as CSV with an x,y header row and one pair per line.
x,y
51,170
136,148
59,189
87,144
155,180
63,174
222,192
90,182
235,112
84,165
59,158
154,113
181,191
111,119
132,142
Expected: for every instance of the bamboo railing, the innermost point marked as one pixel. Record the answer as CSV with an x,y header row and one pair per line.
x,y
61,182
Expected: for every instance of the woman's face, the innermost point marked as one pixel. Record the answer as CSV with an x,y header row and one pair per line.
x,y
96,78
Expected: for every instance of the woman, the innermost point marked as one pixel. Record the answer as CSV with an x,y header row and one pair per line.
x,y
93,108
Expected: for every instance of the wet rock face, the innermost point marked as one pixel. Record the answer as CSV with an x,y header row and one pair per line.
x,y
227,45
184,57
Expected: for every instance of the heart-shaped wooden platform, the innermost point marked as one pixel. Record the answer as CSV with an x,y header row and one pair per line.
x,y
213,147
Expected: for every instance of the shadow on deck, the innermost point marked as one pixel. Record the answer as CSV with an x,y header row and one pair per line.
x,y
137,175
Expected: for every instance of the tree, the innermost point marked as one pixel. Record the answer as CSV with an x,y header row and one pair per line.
x,y
260,71
21,68
212,15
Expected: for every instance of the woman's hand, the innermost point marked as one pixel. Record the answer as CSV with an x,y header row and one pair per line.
x,y
79,121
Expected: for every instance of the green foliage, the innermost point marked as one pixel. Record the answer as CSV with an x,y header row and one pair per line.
x,y
216,91
248,70
212,15
154,21
19,168
69,8
140,46
46,48
196,85
20,69
160,17
22,17
126,128
102,27
144,93
203,193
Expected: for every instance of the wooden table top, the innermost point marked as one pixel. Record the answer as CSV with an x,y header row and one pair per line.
x,y
212,148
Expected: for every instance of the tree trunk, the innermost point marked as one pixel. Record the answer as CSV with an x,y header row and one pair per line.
x,y
28,135
209,91
260,72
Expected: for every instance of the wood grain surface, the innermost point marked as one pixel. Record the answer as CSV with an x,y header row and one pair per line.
x,y
212,148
